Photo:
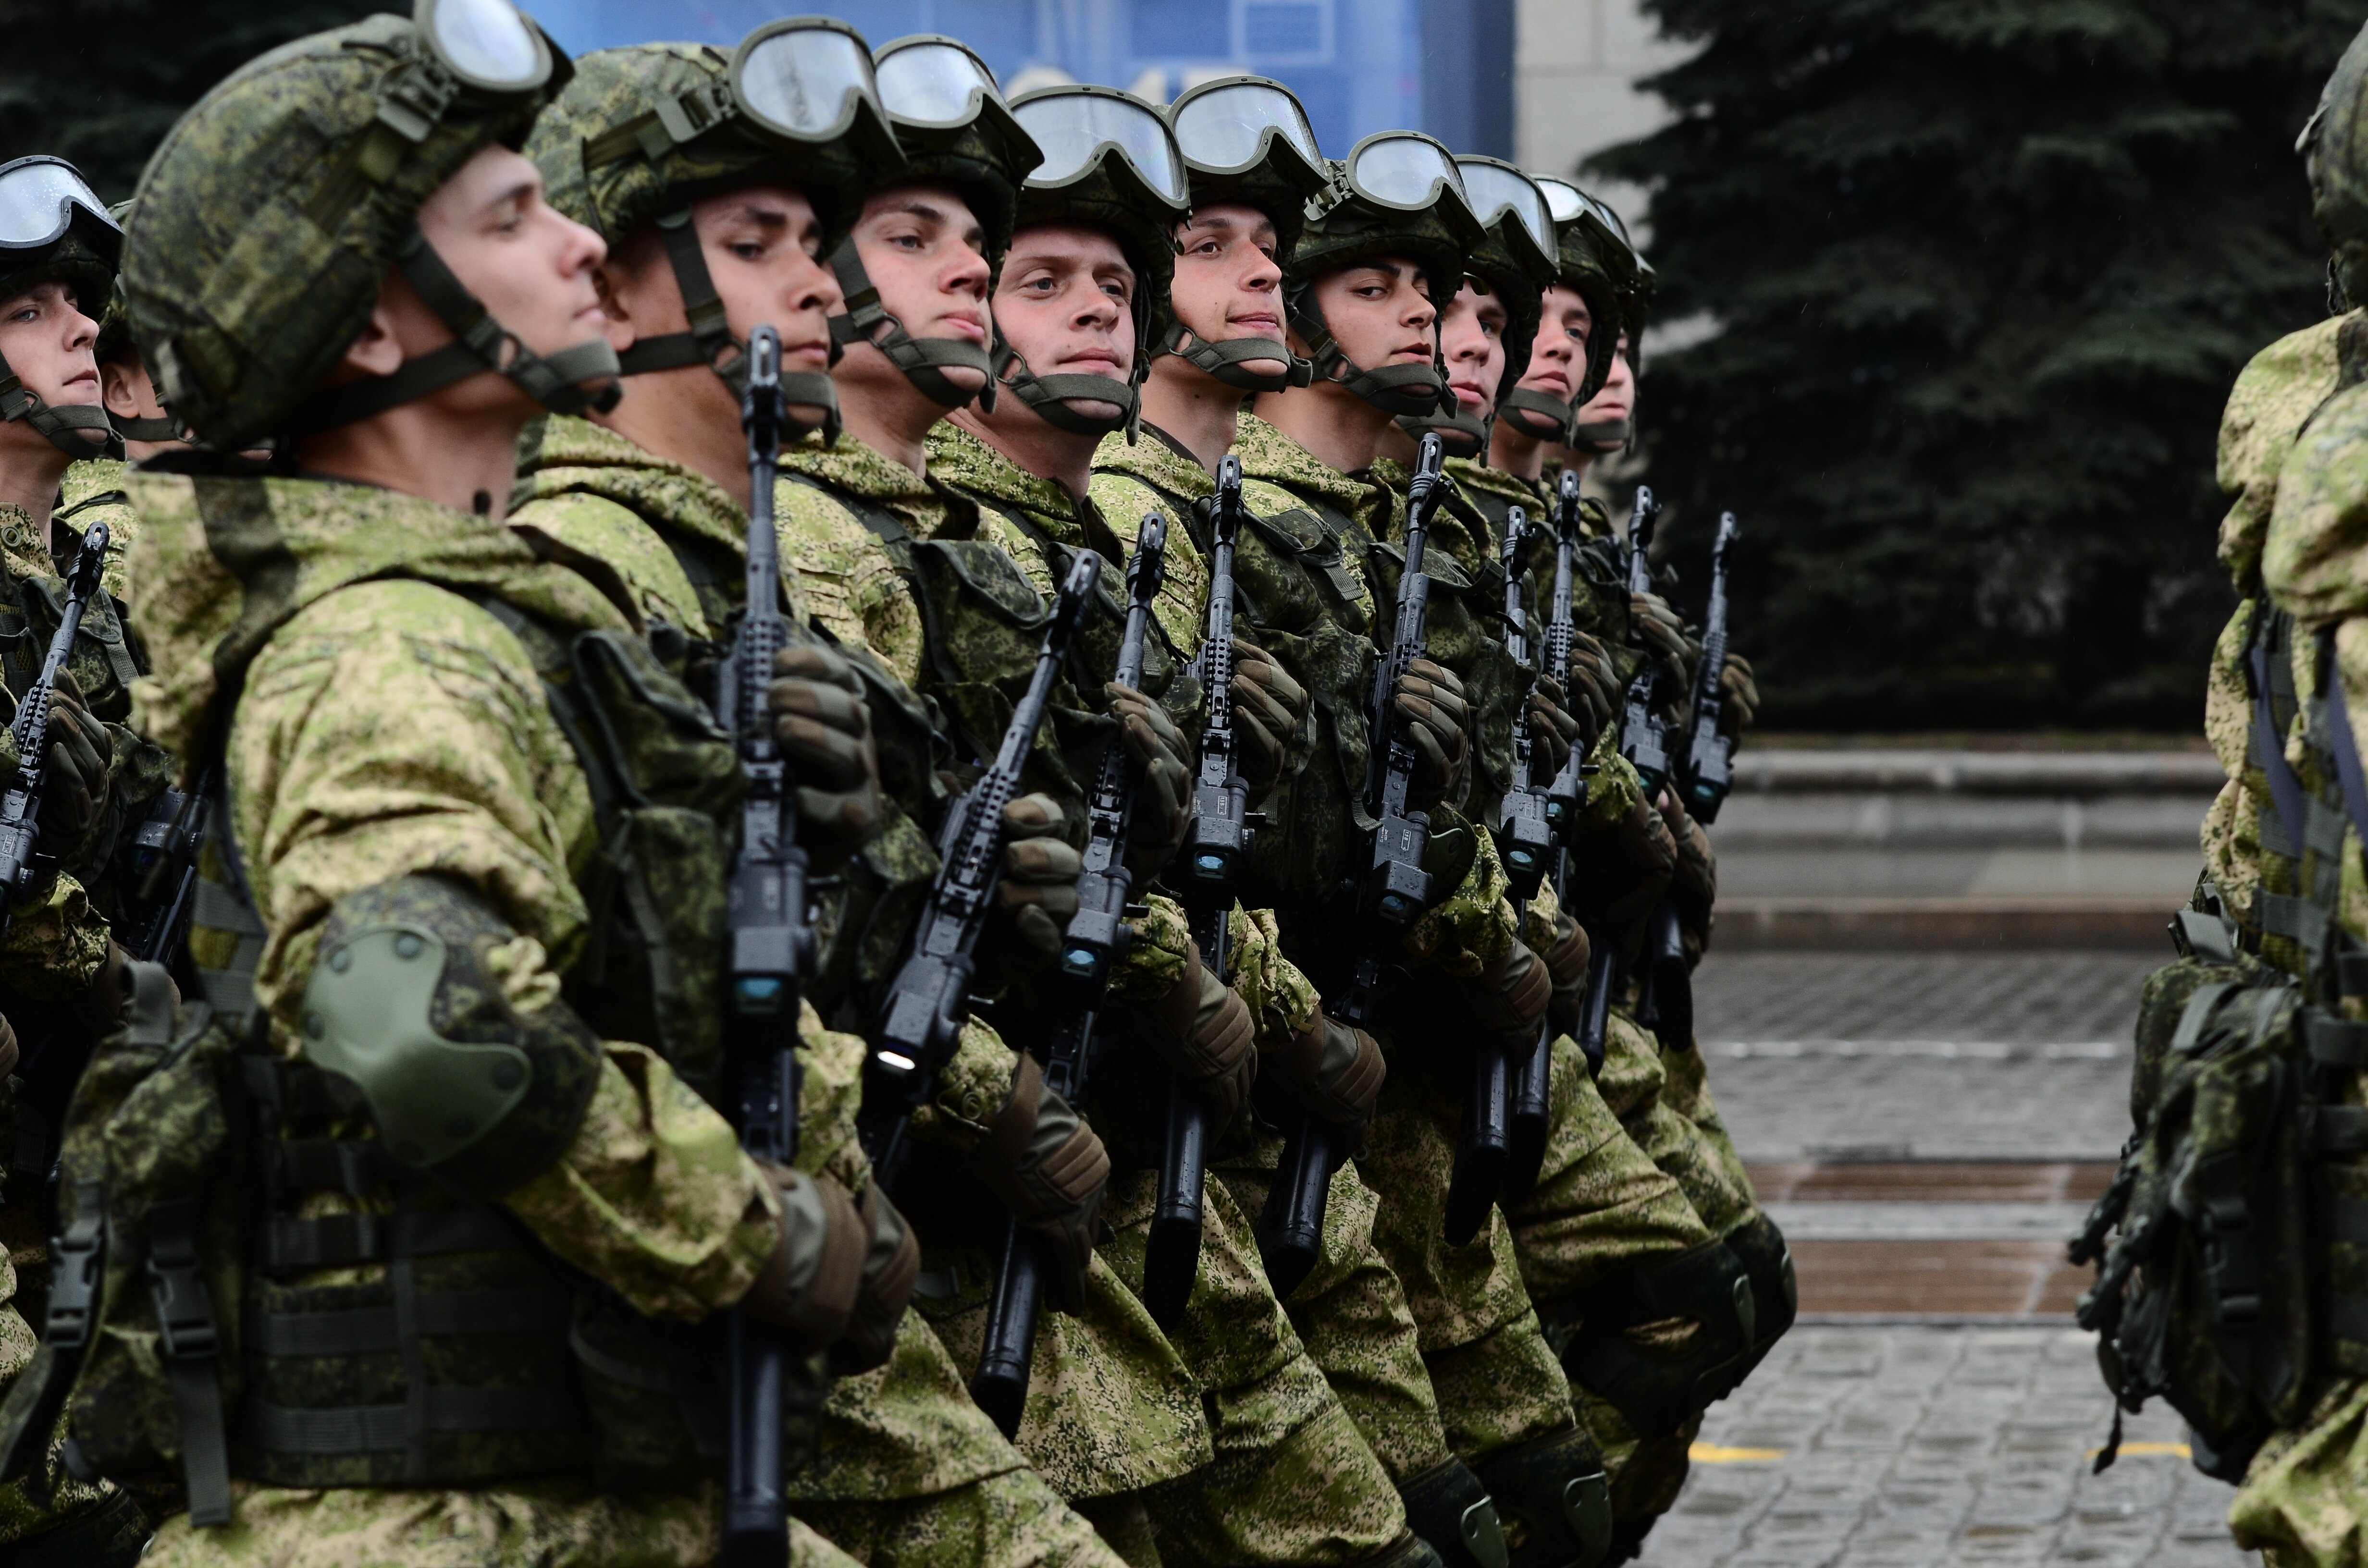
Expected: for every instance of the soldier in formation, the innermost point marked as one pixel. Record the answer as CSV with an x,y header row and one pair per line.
x,y
388,1183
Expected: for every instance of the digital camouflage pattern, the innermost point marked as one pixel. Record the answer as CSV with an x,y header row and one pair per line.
x,y
2274,395
1012,1519
852,585
386,725
904,1440
1146,474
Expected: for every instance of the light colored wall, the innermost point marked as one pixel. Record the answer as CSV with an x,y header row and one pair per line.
x,y
1576,63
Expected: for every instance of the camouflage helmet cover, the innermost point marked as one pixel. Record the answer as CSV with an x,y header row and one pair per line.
x,y
1584,249
267,220
2334,146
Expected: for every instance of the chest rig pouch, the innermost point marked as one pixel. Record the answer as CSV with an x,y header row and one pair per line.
x,y
2236,1279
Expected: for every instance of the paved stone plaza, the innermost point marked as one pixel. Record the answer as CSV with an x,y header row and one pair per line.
x,y
1927,1127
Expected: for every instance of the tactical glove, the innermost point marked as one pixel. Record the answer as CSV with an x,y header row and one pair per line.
x,y
1050,1170
1429,702
841,1272
1201,1031
79,752
1554,730
1566,960
825,734
1269,707
1037,895
99,1008
1742,697
1508,999
1663,634
1163,808
1624,868
1334,1070
1593,684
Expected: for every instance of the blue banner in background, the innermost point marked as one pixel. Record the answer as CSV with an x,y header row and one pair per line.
x,y
1443,66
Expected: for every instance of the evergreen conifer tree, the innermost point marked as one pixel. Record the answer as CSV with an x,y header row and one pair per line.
x,y
1982,272
98,82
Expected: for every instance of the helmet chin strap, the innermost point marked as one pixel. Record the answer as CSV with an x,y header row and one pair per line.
x,y
1462,433
1418,389
63,423
710,342
1229,359
1535,415
1606,436
924,360
482,344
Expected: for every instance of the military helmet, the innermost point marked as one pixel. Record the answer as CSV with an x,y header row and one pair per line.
x,y
644,132
1583,248
955,128
267,221
1514,261
1396,193
1112,162
52,228
2334,146
1246,139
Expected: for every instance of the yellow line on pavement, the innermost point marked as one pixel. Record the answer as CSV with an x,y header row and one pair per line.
x,y
2171,1450
1712,1453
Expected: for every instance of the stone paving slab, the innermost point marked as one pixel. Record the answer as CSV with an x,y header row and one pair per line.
x,y
1925,1448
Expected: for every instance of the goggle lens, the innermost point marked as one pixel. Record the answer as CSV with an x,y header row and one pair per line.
x,y
1495,190
1565,202
487,42
1072,126
1404,171
1225,130
802,82
35,197
934,83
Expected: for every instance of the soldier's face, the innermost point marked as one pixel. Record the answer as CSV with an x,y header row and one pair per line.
x,y
1560,348
1228,284
527,264
1379,313
47,341
1472,336
925,252
1065,302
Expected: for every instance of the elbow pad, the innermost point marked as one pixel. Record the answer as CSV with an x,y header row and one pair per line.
x,y
410,998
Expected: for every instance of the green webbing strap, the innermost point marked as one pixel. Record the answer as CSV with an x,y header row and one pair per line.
x,y
2344,1217
333,1241
710,341
2347,1316
30,1413
1226,359
2298,919
106,629
391,1428
2337,1130
190,1345
2195,1021
2334,1041
351,1165
215,906
366,1331
1525,402
2274,837
924,360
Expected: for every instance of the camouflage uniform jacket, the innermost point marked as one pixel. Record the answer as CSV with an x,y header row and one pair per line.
x,y
1115,1409
2279,391
1307,598
680,543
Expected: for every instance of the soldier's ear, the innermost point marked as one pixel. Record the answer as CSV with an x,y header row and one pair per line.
x,y
378,349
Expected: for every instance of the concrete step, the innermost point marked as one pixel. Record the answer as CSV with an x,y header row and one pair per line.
x,y
1971,924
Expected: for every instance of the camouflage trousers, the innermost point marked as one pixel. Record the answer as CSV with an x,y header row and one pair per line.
x,y
1012,1520
1350,1311
1661,1098
531,1524
2304,1500
1292,1482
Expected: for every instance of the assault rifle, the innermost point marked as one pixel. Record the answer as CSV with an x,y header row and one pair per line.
x,y
1384,901
763,967
1569,793
21,861
1644,735
1709,761
1097,937
1526,840
921,1020
164,866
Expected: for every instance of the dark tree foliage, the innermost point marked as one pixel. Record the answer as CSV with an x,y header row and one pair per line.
x,y
99,81
1983,271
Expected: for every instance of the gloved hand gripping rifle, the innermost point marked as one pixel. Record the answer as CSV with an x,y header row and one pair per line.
x,y
21,862
1563,803
1525,841
770,949
1386,899
920,1022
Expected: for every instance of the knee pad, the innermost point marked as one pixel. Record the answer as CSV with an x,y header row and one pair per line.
x,y
1554,1499
1449,1507
1775,1294
1654,1389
